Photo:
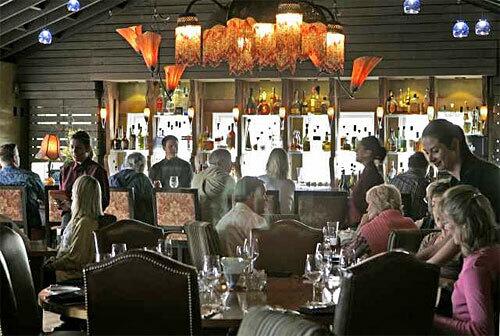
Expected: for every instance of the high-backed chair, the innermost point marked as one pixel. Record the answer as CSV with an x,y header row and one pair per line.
x,y
408,240
52,213
271,218
129,231
284,246
406,201
315,208
13,205
121,203
20,312
158,296
391,293
202,240
174,208
263,321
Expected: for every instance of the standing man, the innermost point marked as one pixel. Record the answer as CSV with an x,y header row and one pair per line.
x,y
171,165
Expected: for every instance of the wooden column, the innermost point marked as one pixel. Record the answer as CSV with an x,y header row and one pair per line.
x,y
286,101
433,93
101,132
240,96
152,92
333,93
383,94
196,94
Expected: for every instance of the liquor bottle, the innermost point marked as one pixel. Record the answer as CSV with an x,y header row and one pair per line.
x,y
475,121
263,108
314,100
392,104
326,145
396,136
131,138
303,109
342,138
415,104
426,102
343,185
145,139
467,122
296,105
418,143
408,100
391,141
324,105
159,103
248,142
306,144
125,142
402,140
140,139
231,138
275,103
401,101
117,145
347,145
250,107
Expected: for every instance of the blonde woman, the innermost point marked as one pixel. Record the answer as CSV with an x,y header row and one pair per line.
x,y
383,215
277,170
470,219
77,249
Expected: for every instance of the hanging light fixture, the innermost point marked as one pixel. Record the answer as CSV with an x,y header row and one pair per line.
x,y
188,40
73,5
483,27
215,45
265,44
191,113
130,35
149,45
50,150
147,113
362,66
411,6
288,38
334,59
45,37
331,113
460,29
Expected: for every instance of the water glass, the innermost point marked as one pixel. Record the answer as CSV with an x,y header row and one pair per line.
x,y
312,272
118,248
251,248
174,182
165,247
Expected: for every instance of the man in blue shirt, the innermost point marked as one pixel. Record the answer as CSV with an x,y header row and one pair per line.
x,y
12,175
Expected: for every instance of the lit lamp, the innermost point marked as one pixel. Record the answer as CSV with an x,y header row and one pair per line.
x,y
335,38
282,114
483,115
49,150
288,38
191,113
130,35
236,114
173,74
147,113
331,113
361,68
188,40
380,116
103,114
149,44
265,44
430,113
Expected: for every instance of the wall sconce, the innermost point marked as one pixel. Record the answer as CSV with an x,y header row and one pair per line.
x,y
191,113
50,150
147,114
380,116
103,114
331,113
236,114
282,114
483,116
431,113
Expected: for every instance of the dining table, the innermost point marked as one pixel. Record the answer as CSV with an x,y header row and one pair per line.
x,y
289,293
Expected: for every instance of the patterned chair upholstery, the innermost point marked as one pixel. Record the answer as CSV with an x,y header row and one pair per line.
x,y
294,239
52,213
202,240
159,296
176,208
132,232
13,205
263,321
121,203
391,293
408,240
317,208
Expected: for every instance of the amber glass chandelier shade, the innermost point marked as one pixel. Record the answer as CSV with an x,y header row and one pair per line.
x,y
130,35
334,58
240,37
173,74
265,44
50,148
188,40
215,45
288,36
313,42
149,44
362,67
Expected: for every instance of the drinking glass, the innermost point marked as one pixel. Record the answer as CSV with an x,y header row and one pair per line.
x,y
118,248
165,247
332,283
312,272
174,182
211,270
242,253
251,248
157,184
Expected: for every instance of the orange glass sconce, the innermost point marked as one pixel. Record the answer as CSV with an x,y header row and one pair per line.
x,y
188,40
149,45
236,114
361,68
130,34
331,113
147,114
50,149
191,112
483,113
173,74
103,115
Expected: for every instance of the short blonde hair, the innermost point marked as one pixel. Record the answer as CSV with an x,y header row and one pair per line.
x,y
277,164
472,215
383,197
86,198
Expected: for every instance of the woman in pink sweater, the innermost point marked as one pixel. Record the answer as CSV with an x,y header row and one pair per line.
x,y
476,296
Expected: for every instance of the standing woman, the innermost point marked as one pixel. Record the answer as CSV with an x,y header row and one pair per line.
x,y
82,165
370,154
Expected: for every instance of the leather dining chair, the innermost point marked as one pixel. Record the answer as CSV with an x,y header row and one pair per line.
x,y
315,208
13,205
142,293
132,232
202,240
20,312
283,247
407,239
263,321
391,293
121,203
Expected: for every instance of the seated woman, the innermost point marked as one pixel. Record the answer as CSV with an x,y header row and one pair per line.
x,y
471,220
384,214
77,247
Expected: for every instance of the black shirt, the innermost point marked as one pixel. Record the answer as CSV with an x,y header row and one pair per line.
x,y
174,167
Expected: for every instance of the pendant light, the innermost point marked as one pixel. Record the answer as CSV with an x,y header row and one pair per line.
x,y
460,29
45,36
411,6
483,27
73,5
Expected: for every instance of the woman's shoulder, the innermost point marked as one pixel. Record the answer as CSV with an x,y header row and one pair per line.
x,y
485,258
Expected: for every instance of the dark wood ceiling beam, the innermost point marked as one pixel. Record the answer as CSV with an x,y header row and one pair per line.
x,y
101,8
45,21
491,5
4,2
16,7
28,16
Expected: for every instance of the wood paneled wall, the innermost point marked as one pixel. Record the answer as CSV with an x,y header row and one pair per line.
x,y
58,80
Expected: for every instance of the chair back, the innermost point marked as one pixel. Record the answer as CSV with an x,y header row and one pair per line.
x,y
202,240
129,231
52,213
284,246
174,208
315,208
20,312
272,218
407,239
13,205
157,296
272,205
391,293
263,321
407,204
121,203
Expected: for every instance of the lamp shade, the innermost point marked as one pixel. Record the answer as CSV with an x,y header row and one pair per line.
x,y
45,37
147,113
130,34
411,6
331,113
149,45
50,148
282,112
173,74
215,45
483,113
483,27
335,38
460,29
430,112
288,37
191,112
265,44
236,113
361,68
380,112
188,40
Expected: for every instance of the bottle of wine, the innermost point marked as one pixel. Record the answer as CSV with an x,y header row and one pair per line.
x,y
251,107
306,144
231,137
402,140
296,105
117,145
418,143
140,139
248,142
326,145
125,142
303,110
263,107
324,105
391,141
131,138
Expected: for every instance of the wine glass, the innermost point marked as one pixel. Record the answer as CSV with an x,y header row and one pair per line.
x,y
251,248
165,247
173,182
211,272
118,248
312,272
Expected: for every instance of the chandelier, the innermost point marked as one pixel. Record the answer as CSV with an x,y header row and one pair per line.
x,y
299,31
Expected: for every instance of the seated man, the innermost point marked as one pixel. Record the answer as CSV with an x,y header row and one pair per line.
x,y
414,182
12,175
132,176
249,197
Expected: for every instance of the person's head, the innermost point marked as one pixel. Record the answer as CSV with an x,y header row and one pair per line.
x,y
136,161
277,164
170,145
80,146
445,144
221,158
382,197
434,194
86,198
469,217
418,162
9,155
251,191
369,149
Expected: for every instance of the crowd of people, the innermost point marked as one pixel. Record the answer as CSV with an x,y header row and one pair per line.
x,y
464,208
